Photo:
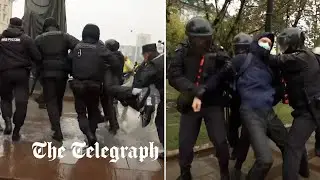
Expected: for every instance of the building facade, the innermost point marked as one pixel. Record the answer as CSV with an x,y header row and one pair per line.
x,y
5,14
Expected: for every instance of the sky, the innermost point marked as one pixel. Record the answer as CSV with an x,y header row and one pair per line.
x,y
118,19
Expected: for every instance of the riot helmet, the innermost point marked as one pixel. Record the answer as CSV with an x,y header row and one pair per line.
x,y
112,45
241,43
291,40
199,32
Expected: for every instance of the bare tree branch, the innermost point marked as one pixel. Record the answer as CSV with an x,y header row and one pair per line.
x,y
236,21
206,9
302,5
256,30
221,13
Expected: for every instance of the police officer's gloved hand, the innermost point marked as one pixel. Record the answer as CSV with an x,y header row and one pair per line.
x,y
199,91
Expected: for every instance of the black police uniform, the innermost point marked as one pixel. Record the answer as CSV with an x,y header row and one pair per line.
x,y
185,72
152,72
241,43
301,72
87,72
18,51
107,101
54,69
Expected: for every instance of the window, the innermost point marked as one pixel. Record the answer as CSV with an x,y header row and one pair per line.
x,y
5,8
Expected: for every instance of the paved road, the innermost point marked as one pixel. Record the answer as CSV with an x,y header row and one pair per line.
x,y
18,162
205,167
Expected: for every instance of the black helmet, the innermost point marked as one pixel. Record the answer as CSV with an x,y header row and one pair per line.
x,y
112,44
291,39
198,26
241,43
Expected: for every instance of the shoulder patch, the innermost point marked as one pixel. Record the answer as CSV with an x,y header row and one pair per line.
x,y
10,40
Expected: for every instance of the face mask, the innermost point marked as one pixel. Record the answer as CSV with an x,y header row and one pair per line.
x,y
264,45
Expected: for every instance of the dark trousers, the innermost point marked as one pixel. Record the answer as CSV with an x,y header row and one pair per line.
x,y
87,94
262,124
317,145
15,84
53,91
160,122
189,130
275,130
234,123
300,131
109,110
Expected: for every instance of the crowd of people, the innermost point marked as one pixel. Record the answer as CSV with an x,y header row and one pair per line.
x,y
96,69
251,83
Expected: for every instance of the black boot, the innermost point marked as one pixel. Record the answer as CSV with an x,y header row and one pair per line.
x,y
16,134
185,174
225,176
92,139
146,116
57,135
236,174
8,128
142,97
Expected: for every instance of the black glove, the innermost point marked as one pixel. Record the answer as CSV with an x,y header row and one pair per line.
x,y
199,91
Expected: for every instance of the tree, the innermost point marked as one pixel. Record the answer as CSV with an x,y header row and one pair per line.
x,y
175,31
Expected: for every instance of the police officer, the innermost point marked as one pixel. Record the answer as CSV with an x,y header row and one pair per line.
x,y
241,45
197,73
18,51
151,71
88,68
301,71
316,51
107,100
54,69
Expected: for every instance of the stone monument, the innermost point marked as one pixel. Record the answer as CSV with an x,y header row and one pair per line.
x,y
36,11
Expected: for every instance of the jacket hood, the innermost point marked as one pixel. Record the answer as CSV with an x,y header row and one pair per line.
x,y
12,32
256,49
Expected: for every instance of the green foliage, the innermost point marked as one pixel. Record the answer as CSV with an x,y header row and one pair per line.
x,y
175,31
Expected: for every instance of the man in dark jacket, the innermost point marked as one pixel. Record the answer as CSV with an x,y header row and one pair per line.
x,y
301,71
18,51
87,71
255,86
107,101
54,69
151,71
197,73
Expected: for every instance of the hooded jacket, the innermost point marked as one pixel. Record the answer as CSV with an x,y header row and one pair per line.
x,y
54,46
255,84
18,50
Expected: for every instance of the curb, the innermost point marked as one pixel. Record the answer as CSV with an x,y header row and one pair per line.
x,y
201,150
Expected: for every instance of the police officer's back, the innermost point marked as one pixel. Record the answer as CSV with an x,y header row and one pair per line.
x,y
88,71
18,51
54,69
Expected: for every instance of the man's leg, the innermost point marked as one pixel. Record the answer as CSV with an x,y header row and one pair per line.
x,y
255,123
6,103
242,149
160,122
21,96
279,135
215,124
233,130
300,131
317,144
61,88
188,133
51,100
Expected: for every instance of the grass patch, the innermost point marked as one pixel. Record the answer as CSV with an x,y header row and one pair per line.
x,y
173,120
